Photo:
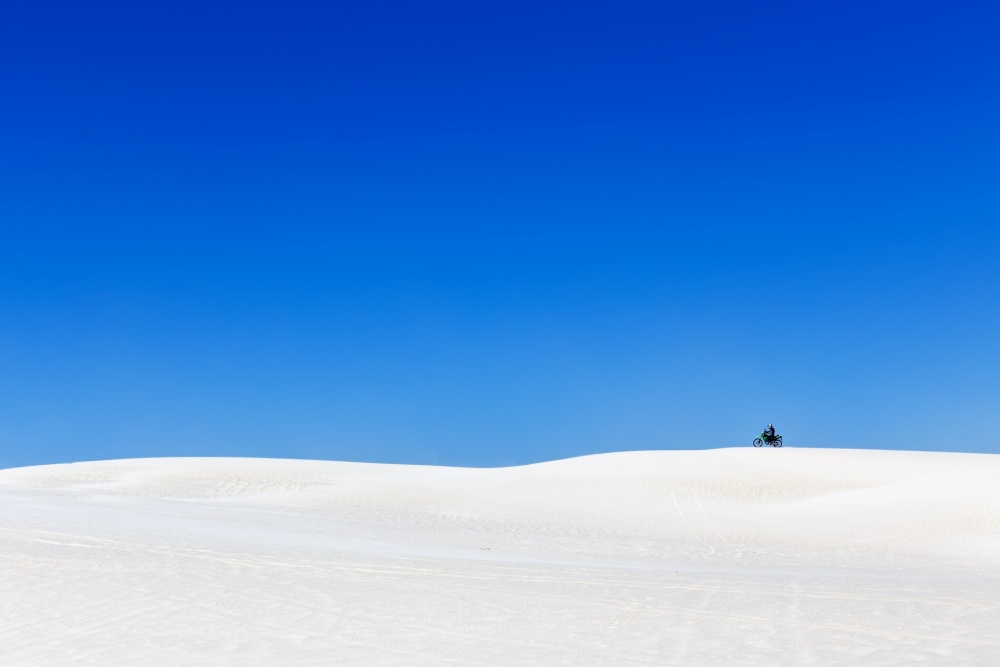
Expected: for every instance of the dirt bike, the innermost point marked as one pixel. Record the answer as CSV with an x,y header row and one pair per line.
x,y
767,440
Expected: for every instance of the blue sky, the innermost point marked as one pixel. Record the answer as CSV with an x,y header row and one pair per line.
x,y
496,233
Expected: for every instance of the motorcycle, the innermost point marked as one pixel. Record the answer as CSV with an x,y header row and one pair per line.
x,y
767,440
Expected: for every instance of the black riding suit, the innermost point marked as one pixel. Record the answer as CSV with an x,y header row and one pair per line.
x,y
769,433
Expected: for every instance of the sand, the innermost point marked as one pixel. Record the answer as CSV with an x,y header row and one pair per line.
x,y
719,557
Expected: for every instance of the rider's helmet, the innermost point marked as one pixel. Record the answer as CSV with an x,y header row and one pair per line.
x,y
770,425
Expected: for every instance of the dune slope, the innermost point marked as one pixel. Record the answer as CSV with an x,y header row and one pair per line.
x,y
730,556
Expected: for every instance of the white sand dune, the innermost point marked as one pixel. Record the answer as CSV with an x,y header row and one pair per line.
x,y
721,557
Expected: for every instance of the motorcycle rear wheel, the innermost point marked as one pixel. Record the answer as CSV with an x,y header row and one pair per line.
x,y
777,443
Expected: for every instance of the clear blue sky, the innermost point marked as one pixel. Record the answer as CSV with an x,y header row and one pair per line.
x,y
485,233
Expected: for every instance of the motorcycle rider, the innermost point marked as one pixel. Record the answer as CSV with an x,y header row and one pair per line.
x,y
769,433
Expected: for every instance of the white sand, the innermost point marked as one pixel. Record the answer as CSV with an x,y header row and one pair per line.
x,y
722,557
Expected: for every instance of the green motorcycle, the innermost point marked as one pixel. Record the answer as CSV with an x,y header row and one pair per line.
x,y
767,440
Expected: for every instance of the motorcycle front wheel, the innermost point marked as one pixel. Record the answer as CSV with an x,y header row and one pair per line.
x,y
757,442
